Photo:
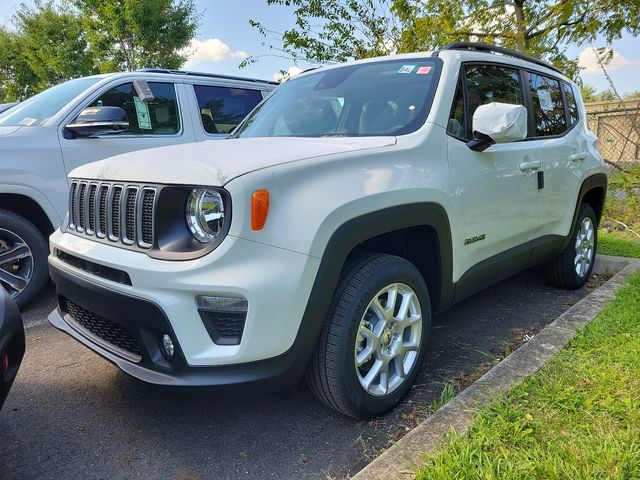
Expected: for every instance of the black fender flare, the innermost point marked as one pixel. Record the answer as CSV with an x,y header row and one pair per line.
x,y
342,242
598,180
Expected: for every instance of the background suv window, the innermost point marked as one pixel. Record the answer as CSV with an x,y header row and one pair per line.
x,y
160,116
491,83
548,109
223,108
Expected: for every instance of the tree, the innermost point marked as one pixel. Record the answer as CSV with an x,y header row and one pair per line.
x,y
48,46
131,34
339,29
16,78
334,30
588,93
54,44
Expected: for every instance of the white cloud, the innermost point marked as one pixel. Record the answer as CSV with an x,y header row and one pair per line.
x,y
212,50
588,61
292,71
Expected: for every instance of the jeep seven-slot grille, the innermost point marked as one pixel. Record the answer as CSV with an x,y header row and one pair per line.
x,y
120,213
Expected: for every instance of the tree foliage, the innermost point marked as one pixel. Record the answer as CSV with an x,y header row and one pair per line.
x,y
130,34
54,41
336,30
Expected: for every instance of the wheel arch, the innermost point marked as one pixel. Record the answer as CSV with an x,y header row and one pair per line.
x,y
28,208
353,238
594,192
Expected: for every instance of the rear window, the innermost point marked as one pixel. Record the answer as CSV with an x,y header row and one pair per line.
x,y
223,108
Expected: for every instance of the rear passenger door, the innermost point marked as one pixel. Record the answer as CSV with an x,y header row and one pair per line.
x,y
220,109
554,114
496,191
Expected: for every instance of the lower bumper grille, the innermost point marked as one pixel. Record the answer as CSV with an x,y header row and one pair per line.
x,y
118,338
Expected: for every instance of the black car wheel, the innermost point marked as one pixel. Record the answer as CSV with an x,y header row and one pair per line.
x,y
23,257
373,344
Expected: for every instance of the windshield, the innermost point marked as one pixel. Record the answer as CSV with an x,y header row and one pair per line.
x,y
35,111
380,98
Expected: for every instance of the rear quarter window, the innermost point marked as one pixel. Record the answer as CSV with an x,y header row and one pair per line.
x,y
572,107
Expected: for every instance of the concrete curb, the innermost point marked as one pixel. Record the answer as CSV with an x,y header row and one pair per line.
x,y
401,460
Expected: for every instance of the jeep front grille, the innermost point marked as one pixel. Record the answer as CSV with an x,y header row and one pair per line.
x,y
121,213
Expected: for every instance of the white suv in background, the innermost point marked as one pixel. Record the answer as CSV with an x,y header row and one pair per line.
x,y
88,119
351,205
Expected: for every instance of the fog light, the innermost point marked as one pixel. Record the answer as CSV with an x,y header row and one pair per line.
x,y
166,345
222,304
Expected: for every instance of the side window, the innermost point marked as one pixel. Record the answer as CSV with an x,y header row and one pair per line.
x,y
491,83
548,109
455,126
572,108
160,116
223,108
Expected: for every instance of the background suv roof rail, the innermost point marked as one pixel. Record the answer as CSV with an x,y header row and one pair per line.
x,y
483,47
203,74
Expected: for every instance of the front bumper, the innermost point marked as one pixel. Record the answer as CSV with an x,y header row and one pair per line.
x,y
146,320
158,297
11,341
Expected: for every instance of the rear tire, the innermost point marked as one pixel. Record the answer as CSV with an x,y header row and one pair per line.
x,y
23,257
374,341
572,268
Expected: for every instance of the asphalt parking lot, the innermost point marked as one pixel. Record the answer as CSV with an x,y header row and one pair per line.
x,y
71,414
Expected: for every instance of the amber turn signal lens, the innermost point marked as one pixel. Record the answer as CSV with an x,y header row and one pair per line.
x,y
259,209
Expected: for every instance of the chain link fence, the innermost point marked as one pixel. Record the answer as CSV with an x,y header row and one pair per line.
x,y
617,125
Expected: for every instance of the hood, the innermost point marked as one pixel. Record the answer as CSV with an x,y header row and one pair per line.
x,y
8,129
216,162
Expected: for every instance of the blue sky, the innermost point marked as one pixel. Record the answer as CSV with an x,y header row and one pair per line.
x,y
225,37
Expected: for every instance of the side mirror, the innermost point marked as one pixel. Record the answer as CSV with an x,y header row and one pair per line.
x,y
94,121
498,123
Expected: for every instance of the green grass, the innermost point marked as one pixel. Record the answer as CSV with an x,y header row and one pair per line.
x,y
578,418
617,243
621,215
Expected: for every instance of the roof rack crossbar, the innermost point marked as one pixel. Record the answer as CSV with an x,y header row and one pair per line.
x,y
203,74
483,47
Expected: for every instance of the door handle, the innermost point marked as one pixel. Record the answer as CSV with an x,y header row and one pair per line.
x,y
576,157
535,165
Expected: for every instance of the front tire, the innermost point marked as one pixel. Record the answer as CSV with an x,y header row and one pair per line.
x,y
23,257
572,268
373,344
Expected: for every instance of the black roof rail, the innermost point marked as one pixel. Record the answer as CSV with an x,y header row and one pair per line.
x,y
484,47
203,74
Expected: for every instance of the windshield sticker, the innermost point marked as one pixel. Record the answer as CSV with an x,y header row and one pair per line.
x,y
142,110
423,71
406,69
27,122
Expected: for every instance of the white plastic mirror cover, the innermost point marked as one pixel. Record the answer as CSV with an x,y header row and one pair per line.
x,y
503,122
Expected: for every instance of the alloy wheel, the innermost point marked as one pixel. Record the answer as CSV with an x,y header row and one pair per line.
x,y
16,262
388,339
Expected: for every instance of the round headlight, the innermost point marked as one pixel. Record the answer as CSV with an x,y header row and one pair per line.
x,y
205,214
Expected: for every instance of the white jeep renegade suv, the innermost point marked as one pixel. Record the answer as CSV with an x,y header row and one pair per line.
x,y
347,208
